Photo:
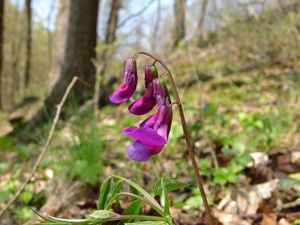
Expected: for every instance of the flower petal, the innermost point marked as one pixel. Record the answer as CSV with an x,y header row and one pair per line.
x,y
145,135
149,122
160,92
143,104
127,88
150,74
139,152
125,91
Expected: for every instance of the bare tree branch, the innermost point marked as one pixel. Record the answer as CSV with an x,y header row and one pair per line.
x,y
141,11
45,148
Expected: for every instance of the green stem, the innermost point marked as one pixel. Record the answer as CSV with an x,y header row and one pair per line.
x,y
142,217
187,137
143,199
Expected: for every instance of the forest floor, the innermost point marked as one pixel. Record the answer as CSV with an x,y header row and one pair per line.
x,y
246,134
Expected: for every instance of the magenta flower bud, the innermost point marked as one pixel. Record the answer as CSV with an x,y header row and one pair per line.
x,y
150,74
145,103
127,88
151,136
160,92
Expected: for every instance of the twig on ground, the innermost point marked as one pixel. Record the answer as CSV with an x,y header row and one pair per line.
x,y
45,148
288,205
98,84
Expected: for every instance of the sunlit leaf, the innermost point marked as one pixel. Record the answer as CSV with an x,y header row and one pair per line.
x,y
295,176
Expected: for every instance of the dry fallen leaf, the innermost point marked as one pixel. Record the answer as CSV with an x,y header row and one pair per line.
x,y
269,219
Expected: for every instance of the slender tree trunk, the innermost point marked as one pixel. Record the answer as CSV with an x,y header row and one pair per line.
x,y
12,80
110,34
179,26
1,47
59,43
154,39
200,30
78,53
106,54
112,22
28,43
79,50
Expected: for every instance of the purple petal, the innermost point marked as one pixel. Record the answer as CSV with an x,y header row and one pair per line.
x,y
144,103
125,91
141,106
163,121
127,88
149,122
139,152
161,92
150,74
145,135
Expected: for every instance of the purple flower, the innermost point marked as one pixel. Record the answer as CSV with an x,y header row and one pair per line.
x,y
150,74
128,86
160,92
152,134
145,103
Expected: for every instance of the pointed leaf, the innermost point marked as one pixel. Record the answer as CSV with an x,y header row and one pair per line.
x,y
133,208
104,190
113,191
170,185
141,191
73,221
164,198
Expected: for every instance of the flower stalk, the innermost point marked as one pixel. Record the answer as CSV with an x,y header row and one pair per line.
x,y
187,136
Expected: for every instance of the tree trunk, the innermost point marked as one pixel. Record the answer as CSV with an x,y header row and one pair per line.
x,y
100,99
59,43
112,22
1,47
200,30
179,26
28,43
79,50
110,34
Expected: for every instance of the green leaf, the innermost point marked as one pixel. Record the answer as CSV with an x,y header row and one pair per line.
x,y
26,197
295,176
197,201
55,219
113,191
103,215
243,159
164,198
141,191
133,208
104,190
170,185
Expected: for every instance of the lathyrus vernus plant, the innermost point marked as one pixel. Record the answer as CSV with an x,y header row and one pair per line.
x,y
149,139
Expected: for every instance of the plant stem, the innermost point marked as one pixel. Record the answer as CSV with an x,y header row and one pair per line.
x,y
142,217
187,137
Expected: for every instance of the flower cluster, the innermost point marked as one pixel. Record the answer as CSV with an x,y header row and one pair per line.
x,y
152,134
